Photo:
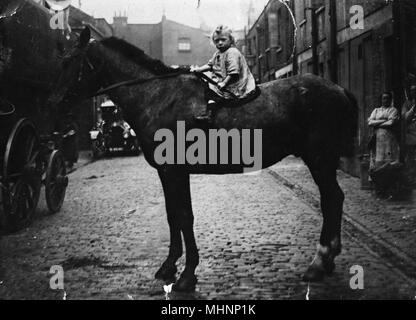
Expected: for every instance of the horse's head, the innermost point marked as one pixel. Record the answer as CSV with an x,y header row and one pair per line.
x,y
80,74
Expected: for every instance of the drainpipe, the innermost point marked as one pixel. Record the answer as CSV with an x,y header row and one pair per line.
x,y
295,67
259,68
333,39
314,33
399,72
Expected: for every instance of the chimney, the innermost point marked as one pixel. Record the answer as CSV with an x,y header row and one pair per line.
x,y
120,22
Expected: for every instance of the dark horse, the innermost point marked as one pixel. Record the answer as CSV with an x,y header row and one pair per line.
x,y
305,116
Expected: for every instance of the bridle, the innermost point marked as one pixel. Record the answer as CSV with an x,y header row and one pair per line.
x,y
96,70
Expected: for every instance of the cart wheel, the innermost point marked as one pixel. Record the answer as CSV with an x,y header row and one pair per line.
x,y
20,205
21,176
56,182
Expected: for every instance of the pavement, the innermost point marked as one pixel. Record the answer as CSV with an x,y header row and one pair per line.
x,y
84,158
256,236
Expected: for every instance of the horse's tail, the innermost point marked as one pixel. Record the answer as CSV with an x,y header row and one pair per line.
x,y
350,121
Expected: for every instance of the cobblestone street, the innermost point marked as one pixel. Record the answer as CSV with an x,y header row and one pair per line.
x,y
256,234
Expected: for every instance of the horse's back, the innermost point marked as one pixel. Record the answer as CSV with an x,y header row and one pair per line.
x,y
314,106
308,81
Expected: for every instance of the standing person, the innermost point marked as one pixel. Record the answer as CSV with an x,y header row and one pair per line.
x,y
69,132
383,120
229,69
409,117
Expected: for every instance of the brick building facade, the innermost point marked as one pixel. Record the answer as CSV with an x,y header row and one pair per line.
x,y
368,61
269,42
169,41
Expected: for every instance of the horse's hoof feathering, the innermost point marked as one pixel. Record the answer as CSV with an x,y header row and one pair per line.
x,y
166,273
186,283
317,273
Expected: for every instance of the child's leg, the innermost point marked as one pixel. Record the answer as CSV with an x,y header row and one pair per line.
x,y
212,100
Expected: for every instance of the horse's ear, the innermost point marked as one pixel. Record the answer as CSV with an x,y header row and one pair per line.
x,y
85,37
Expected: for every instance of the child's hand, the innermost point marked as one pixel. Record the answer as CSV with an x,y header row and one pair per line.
x,y
221,85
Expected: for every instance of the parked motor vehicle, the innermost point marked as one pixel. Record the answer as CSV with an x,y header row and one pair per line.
x,y
112,133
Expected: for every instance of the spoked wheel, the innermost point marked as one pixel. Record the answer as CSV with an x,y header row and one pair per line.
x,y
21,205
56,182
21,176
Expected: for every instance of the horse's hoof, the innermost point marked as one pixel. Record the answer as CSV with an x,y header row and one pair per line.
x,y
185,283
314,274
317,273
329,268
166,273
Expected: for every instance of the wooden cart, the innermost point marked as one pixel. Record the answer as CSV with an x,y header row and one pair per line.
x,y
30,53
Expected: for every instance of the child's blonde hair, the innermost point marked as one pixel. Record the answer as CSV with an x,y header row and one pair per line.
x,y
224,30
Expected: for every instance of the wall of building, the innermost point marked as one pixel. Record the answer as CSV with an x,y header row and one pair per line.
x,y
269,42
147,37
105,28
365,66
169,41
343,10
200,47
365,61
409,15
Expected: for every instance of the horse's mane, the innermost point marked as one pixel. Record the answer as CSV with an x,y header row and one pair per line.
x,y
137,55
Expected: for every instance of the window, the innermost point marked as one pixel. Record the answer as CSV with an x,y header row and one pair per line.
x,y
274,37
184,44
279,26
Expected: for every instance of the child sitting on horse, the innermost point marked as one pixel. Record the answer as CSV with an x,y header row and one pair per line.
x,y
229,69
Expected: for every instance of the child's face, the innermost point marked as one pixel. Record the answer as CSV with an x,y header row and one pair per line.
x,y
222,42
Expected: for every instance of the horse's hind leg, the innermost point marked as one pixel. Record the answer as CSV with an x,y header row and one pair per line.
x,y
324,172
177,192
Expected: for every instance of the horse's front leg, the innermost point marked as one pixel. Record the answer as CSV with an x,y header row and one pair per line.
x,y
177,192
168,269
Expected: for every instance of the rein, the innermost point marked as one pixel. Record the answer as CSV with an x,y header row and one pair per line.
x,y
203,76
164,76
133,82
